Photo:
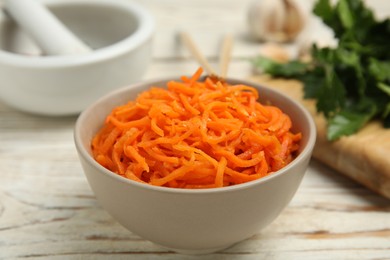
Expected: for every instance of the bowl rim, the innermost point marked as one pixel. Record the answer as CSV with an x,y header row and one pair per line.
x,y
307,150
143,33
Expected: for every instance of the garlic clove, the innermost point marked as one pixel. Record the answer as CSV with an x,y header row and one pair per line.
x,y
265,17
275,52
274,21
294,20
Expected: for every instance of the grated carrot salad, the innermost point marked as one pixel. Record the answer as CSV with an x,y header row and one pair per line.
x,y
196,134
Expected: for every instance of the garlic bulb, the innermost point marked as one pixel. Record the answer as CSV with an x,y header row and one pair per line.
x,y
275,20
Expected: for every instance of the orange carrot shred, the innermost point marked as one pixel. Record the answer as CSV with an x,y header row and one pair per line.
x,y
196,133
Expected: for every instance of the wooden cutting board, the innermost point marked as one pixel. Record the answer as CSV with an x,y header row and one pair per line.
x,y
364,157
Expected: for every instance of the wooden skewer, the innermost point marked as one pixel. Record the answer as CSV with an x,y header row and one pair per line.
x,y
225,55
186,39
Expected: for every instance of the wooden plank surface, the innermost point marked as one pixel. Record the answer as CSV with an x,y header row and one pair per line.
x,y
47,210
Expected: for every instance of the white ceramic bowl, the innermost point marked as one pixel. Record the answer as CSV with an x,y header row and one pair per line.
x,y
119,31
193,221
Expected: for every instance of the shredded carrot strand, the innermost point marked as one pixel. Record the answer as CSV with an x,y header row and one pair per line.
x,y
196,133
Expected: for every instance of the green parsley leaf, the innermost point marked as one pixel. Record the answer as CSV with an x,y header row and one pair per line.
x,y
351,83
345,14
331,95
379,69
346,123
290,69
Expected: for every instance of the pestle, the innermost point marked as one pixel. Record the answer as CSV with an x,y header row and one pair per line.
x,y
49,33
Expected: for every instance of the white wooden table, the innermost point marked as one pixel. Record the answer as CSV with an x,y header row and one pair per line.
x,y
47,209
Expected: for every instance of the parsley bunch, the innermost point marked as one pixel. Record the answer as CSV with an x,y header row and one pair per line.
x,y
351,83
